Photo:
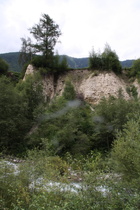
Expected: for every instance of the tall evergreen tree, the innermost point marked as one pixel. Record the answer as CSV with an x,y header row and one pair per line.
x,y
46,34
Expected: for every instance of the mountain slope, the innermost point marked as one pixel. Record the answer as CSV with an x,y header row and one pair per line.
x,y
127,63
12,59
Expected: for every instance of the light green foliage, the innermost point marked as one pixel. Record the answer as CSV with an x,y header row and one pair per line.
x,y
126,151
3,66
69,92
19,189
30,189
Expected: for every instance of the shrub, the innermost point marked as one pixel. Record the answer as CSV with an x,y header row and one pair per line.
x,y
125,151
108,60
132,91
39,61
135,70
69,92
110,115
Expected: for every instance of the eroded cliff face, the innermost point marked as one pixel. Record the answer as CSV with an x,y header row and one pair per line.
x,y
103,85
92,86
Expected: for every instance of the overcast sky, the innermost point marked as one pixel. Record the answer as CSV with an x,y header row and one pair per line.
x,y
85,24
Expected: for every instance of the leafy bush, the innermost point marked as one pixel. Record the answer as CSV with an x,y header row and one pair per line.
x,y
69,92
110,115
125,151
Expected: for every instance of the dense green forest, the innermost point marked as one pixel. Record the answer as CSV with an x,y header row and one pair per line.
x,y
65,153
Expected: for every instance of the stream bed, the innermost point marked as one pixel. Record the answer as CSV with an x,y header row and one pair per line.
x,y
49,185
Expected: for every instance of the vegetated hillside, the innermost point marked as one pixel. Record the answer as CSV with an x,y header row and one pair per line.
x,y
127,63
12,59
74,63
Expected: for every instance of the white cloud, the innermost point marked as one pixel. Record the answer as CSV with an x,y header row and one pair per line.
x,y
84,24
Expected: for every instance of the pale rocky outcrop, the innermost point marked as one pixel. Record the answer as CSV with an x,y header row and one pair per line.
x,y
30,70
92,86
103,85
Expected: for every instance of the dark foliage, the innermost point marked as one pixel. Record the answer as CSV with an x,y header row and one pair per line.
x,y
3,66
12,60
13,123
108,60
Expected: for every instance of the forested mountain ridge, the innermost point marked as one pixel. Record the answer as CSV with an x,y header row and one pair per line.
x,y
12,59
